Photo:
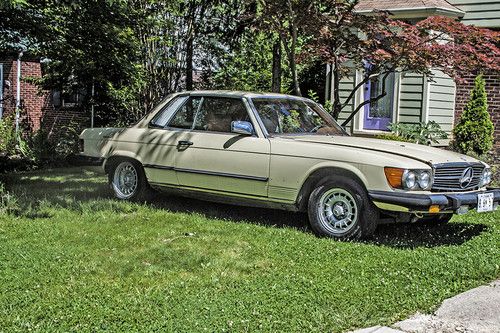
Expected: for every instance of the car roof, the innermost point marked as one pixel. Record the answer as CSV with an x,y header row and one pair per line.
x,y
238,94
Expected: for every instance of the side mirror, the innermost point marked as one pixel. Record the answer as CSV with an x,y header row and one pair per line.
x,y
242,127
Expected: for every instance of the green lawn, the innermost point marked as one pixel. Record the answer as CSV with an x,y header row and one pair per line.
x,y
72,258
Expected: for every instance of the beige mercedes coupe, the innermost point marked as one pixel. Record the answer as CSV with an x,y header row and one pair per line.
x,y
285,152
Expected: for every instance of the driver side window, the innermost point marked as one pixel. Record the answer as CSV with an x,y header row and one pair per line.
x,y
217,113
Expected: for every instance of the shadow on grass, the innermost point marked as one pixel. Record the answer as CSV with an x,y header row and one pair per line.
x,y
69,189
262,216
410,236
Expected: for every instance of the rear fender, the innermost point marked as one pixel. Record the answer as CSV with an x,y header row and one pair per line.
x,y
119,154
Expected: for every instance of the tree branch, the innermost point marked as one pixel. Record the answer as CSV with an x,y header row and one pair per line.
x,y
353,92
369,101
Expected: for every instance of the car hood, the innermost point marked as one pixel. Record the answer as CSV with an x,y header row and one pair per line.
x,y
421,153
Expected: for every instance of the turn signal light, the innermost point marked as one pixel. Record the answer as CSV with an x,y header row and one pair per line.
x,y
394,176
434,209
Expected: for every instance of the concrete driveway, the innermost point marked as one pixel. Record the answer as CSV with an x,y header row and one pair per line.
x,y
475,311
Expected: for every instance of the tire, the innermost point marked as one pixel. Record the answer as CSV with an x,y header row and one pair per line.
x,y
128,181
340,208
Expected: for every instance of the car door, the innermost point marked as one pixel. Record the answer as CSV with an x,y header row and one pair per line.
x,y
158,146
210,157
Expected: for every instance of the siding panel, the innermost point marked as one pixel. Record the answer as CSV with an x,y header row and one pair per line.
x,y
483,13
442,101
410,98
346,86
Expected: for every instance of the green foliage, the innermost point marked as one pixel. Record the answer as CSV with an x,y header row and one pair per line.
x,y
81,261
8,203
85,43
474,131
421,133
248,67
56,146
25,149
495,169
328,105
392,137
67,141
7,135
12,144
313,95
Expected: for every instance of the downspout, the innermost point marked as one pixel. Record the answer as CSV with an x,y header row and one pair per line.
x,y
18,92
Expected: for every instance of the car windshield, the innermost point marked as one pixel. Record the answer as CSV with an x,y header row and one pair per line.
x,y
283,116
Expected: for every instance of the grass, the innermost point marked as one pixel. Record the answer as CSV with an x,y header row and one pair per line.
x,y
72,258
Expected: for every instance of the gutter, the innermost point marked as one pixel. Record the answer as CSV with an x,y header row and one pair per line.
x,y
413,11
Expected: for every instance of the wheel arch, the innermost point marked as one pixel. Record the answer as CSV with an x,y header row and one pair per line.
x,y
111,160
317,175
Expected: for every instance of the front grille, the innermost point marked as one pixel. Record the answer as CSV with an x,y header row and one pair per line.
x,y
448,176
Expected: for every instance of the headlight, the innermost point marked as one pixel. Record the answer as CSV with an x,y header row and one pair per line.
x,y
409,179
486,177
424,180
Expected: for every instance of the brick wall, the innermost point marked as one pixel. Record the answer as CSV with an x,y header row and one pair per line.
x,y
493,91
38,110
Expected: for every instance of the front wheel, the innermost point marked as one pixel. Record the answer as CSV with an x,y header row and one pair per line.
x,y
128,181
340,208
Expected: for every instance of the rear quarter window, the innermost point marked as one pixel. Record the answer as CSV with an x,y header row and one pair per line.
x,y
162,117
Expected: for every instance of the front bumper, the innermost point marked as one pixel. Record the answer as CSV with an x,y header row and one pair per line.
x,y
421,203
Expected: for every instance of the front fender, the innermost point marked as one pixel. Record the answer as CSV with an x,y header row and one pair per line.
x,y
352,168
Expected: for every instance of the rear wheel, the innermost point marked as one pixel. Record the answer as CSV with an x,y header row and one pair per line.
x,y
340,208
128,181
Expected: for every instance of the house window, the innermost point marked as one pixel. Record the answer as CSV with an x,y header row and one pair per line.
x,y
68,99
378,114
72,99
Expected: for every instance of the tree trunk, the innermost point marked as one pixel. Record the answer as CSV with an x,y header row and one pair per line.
x,y
276,86
337,105
293,65
295,78
189,63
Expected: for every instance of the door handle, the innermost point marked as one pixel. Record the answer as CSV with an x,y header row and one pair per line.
x,y
185,143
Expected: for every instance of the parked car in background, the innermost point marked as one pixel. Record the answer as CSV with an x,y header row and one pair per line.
x,y
286,152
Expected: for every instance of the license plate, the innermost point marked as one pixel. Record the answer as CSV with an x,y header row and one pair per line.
x,y
485,202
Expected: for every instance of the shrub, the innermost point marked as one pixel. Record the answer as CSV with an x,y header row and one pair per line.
x,y
474,131
11,143
422,133
7,136
392,137
8,203
68,141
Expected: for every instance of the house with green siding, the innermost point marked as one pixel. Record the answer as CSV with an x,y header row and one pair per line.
x,y
412,98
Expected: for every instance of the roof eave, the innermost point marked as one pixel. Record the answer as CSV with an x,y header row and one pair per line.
x,y
419,12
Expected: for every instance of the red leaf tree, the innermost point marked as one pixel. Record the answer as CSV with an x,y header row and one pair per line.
x,y
349,41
